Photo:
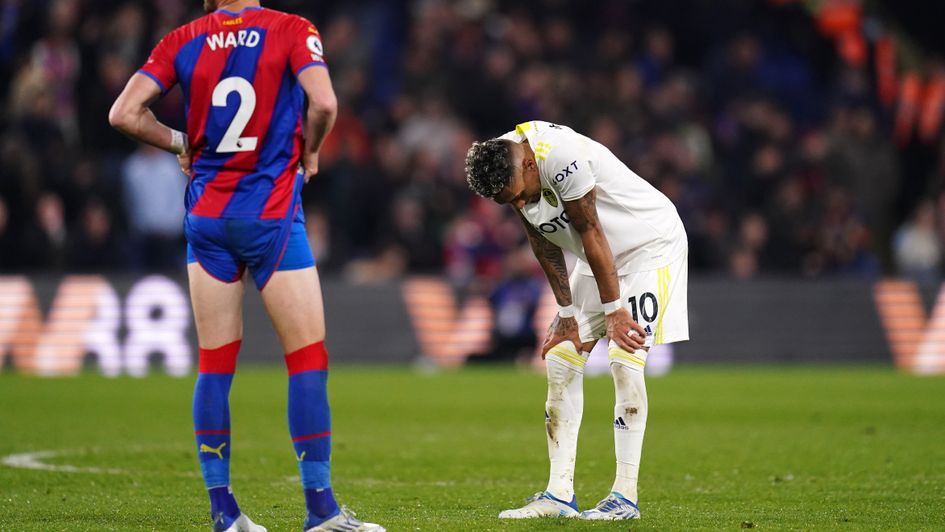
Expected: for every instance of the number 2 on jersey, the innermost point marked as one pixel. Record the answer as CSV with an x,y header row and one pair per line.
x,y
232,141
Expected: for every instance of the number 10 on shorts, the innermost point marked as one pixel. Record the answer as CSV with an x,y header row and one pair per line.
x,y
646,307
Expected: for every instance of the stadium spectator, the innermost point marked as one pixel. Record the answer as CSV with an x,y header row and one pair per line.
x,y
711,244
843,243
743,263
789,225
8,248
917,245
96,247
55,58
154,199
865,164
413,238
45,243
753,238
514,302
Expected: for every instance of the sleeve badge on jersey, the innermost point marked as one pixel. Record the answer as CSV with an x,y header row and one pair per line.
x,y
550,196
542,149
315,45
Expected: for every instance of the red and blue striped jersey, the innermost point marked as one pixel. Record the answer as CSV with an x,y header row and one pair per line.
x,y
243,102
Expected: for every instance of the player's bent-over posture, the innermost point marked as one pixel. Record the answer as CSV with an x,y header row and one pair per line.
x,y
246,73
629,284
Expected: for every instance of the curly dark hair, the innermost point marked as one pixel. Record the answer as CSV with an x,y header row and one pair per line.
x,y
489,166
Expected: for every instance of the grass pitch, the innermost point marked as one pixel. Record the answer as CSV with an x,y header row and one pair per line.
x,y
773,448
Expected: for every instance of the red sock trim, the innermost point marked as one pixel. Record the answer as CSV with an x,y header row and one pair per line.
x,y
219,359
309,358
312,436
222,432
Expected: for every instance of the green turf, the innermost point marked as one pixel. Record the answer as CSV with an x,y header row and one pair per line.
x,y
775,448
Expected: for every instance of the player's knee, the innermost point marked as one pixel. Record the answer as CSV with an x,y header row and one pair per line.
x,y
566,356
220,359
618,356
313,357
560,375
623,376
559,406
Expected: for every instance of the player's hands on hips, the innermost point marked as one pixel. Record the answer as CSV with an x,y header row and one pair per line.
x,y
185,159
621,328
309,165
561,329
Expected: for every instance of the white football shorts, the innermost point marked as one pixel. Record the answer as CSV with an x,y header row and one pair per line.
x,y
656,299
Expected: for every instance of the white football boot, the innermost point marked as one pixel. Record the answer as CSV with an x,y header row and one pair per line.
x,y
543,504
343,521
614,507
245,524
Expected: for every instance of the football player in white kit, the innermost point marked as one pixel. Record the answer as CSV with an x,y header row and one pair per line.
x,y
629,284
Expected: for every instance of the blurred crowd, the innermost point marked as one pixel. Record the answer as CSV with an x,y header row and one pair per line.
x,y
775,148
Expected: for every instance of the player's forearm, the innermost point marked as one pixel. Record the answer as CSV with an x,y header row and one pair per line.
x,y
319,120
556,270
552,262
601,261
131,114
143,126
583,214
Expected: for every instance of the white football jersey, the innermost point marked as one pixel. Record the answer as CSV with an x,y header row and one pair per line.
x,y
641,224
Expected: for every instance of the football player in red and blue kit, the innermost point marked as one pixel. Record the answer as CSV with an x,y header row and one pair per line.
x,y
259,103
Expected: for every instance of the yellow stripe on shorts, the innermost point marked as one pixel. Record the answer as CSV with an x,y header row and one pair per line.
x,y
618,353
662,299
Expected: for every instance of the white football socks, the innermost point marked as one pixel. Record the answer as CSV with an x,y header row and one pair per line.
x,y
563,412
629,417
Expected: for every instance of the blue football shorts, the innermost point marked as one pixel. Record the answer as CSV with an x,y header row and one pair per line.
x,y
225,247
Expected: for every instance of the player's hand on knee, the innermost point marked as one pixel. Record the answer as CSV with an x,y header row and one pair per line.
x,y
561,329
627,334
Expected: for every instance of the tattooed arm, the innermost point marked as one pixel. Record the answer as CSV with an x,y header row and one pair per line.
x,y
551,259
583,215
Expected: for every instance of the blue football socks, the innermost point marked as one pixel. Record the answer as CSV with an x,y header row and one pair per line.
x,y
211,412
310,426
